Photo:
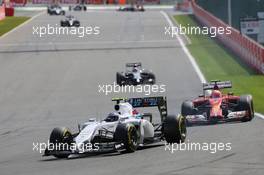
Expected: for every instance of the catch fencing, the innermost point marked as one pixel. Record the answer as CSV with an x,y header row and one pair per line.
x,y
249,50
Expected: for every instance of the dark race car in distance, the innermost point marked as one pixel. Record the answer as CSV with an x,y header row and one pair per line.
x,y
70,21
135,75
78,7
55,10
215,106
132,8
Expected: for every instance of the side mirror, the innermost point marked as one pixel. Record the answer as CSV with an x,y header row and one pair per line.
x,y
117,107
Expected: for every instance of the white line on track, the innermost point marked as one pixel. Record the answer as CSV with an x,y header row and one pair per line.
x,y
186,51
96,42
14,29
259,115
191,58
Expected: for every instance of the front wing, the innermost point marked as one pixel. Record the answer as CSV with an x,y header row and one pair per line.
x,y
201,119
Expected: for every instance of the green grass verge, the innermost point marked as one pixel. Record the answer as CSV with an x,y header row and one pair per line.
x,y
11,22
216,62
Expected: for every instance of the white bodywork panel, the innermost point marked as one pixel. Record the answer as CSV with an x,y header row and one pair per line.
x,y
125,114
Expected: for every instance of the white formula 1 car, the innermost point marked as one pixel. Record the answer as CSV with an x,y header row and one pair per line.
x,y
70,21
123,129
135,75
55,10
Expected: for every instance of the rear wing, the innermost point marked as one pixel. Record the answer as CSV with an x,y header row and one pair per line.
x,y
216,84
118,100
160,102
134,64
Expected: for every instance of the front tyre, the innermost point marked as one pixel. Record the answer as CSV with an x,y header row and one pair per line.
x,y
187,108
174,129
61,138
63,24
127,134
119,79
245,103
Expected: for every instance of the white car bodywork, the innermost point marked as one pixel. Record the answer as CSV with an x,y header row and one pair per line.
x,y
91,128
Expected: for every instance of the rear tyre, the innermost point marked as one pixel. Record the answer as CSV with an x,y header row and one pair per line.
x,y
174,128
152,76
127,134
245,103
62,137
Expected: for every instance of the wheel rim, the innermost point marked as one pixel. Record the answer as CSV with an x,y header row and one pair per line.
x,y
182,128
132,138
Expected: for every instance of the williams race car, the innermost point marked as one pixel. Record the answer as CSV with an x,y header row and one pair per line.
x,y
70,21
78,7
124,129
135,75
55,10
214,106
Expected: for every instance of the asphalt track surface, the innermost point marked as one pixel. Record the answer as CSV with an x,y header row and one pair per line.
x,y
53,81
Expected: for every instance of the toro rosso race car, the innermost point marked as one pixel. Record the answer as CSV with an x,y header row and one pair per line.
x,y
55,10
124,129
70,21
215,106
135,75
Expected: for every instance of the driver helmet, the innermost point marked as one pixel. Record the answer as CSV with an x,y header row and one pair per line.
x,y
208,93
135,69
112,117
216,94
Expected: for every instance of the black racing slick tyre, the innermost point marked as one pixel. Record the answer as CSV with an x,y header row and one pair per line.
x,y
63,24
61,138
174,128
187,108
152,76
119,79
76,24
127,134
245,103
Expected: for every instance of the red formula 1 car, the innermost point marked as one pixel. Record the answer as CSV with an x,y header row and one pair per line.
x,y
214,106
